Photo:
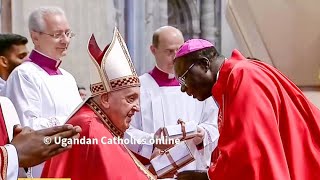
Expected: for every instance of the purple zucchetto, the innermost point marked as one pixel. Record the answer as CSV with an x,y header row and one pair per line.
x,y
193,45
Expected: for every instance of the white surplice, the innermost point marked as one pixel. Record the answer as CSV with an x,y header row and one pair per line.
x,y
41,100
163,106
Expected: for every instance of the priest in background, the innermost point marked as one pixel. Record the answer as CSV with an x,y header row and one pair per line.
x,y
44,94
268,128
104,116
162,104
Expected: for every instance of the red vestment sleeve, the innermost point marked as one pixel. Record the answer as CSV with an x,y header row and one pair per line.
x,y
76,163
266,133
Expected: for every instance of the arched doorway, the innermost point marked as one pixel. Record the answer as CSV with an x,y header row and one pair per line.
x,y
183,15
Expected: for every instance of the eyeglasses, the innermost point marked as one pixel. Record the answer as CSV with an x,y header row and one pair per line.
x,y
59,35
182,78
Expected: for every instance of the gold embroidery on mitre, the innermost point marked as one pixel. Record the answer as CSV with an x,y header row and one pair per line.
x,y
97,89
125,50
131,80
124,82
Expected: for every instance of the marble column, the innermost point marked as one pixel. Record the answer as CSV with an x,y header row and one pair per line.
x,y
134,19
6,16
207,24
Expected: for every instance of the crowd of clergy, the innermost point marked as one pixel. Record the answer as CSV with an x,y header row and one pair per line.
x,y
234,118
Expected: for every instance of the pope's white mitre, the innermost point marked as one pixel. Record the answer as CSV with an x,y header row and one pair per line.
x,y
113,65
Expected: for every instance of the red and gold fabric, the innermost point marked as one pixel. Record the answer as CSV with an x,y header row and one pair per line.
x,y
95,161
268,128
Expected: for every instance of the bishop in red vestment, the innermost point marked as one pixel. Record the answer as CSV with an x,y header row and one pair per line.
x,y
101,161
268,129
104,117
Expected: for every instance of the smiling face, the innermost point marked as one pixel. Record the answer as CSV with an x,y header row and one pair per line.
x,y
121,105
46,43
198,81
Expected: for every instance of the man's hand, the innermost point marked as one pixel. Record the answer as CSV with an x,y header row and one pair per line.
x,y
155,153
31,147
199,136
161,145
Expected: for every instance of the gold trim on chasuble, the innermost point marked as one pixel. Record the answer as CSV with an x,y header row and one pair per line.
x,y
116,132
140,165
220,125
4,156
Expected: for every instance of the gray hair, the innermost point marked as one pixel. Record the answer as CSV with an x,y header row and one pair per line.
x,y
36,18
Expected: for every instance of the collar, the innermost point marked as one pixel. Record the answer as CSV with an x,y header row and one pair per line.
x,y
162,78
220,68
219,87
104,118
51,66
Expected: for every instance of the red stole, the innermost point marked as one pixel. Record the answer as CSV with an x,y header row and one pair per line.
x,y
4,139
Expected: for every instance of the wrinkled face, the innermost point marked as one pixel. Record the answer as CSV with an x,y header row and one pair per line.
x,y
168,45
47,43
195,78
122,106
16,56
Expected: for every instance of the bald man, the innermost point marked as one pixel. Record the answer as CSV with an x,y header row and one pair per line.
x,y
162,104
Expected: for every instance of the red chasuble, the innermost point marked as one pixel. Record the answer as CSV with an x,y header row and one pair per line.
x,y
95,161
268,128
4,139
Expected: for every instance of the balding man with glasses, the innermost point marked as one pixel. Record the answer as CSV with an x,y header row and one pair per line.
x,y
44,94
